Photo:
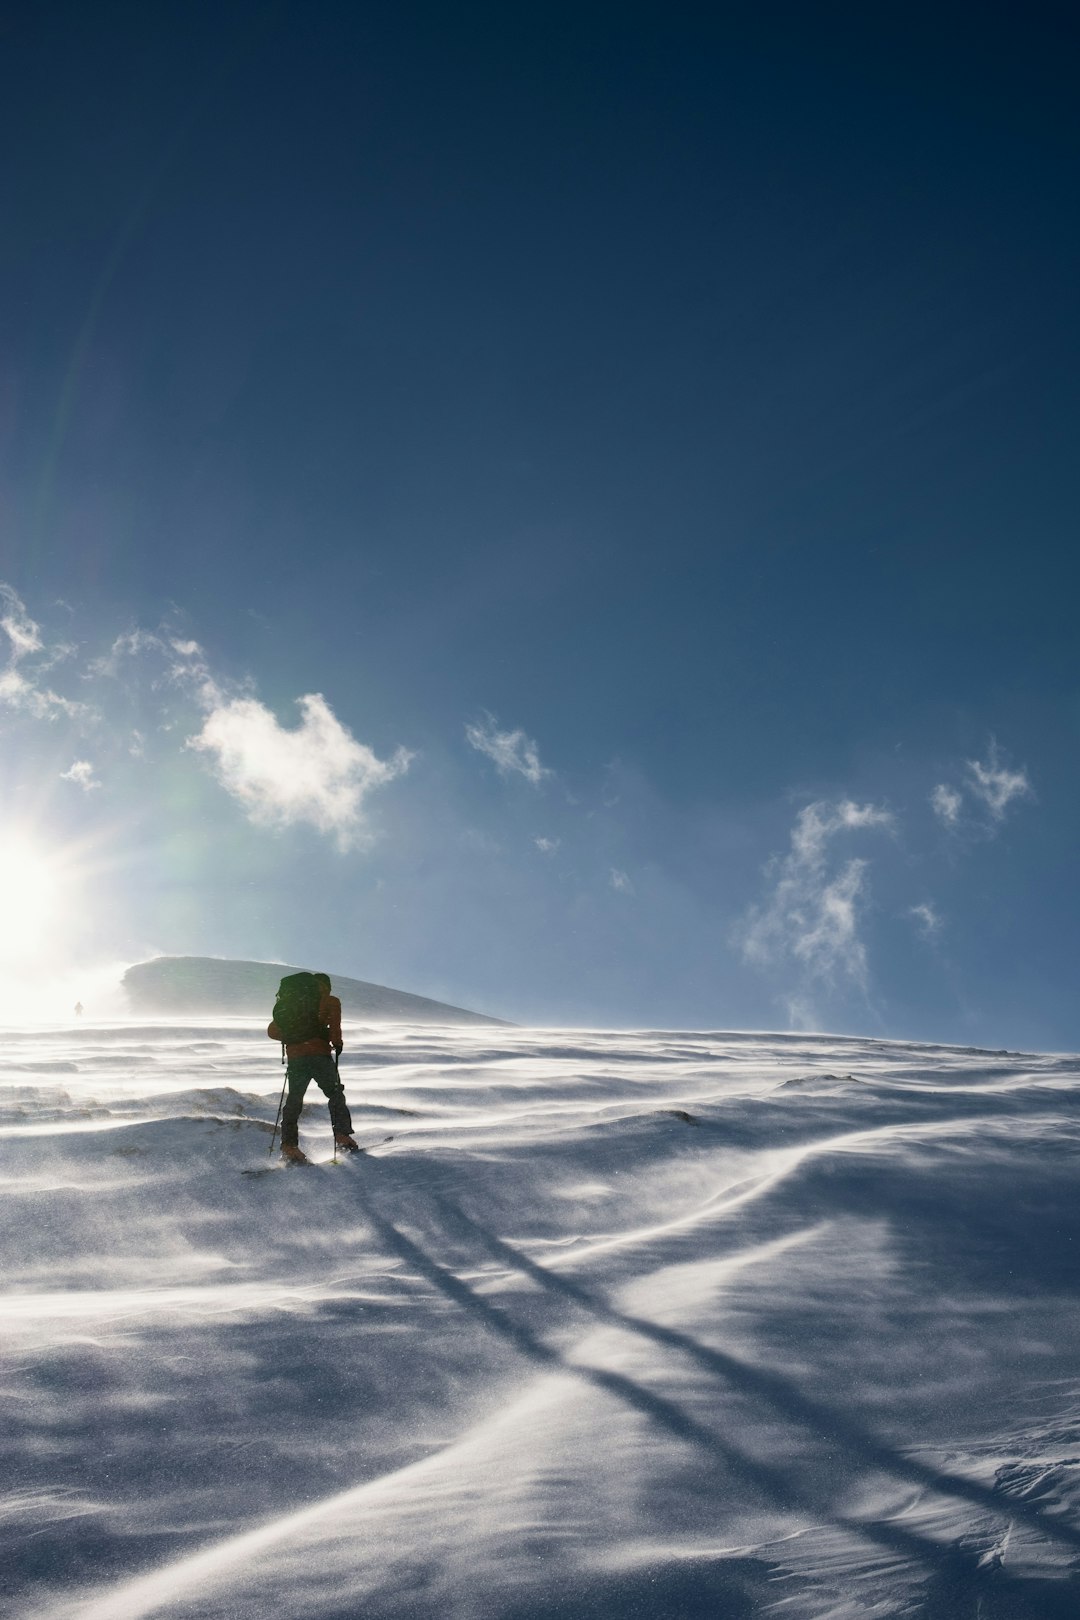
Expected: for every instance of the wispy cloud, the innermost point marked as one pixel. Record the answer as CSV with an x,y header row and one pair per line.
x,y
947,804
927,919
620,881
20,628
129,645
801,1013
82,774
176,659
512,751
995,785
316,773
16,692
21,688
547,846
154,682
189,669
812,914
990,784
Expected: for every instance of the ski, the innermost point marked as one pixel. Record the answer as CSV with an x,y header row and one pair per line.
x,y
314,1164
361,1147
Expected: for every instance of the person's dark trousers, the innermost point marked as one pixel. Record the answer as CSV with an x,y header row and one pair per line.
x,y
300,1073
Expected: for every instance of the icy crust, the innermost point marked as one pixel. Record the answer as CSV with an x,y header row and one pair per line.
x,y
665,1323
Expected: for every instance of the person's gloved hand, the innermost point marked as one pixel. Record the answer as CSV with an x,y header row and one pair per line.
x,y
337,1051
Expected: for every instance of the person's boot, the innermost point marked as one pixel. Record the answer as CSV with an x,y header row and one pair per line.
x,y
347,1144
292,1154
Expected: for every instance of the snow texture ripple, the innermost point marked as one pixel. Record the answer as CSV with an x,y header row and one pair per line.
x,y
659,1324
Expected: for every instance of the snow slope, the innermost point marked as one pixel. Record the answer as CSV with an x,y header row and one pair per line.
x,y
642,1324
209,986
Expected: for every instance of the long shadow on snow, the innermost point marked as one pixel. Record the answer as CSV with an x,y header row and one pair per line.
x,y
1019,1222
656,1407
826,1422
760,1475
731,1588
727,1587
955,1592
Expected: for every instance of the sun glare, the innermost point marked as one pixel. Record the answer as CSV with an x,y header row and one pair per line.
x,y
31,891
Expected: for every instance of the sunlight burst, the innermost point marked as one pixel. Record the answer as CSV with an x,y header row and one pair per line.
x,y
31,894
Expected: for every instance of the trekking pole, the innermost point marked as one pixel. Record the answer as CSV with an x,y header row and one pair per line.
x,y
281,1100
337,1071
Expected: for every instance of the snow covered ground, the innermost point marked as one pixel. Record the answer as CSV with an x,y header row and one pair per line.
x,y
640,1324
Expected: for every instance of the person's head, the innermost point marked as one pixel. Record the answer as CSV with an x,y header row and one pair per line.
x,y
322,980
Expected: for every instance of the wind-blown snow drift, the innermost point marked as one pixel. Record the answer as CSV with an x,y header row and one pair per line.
x,y
639,1324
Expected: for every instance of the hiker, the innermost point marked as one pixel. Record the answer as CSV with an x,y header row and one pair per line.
x,y
310,1058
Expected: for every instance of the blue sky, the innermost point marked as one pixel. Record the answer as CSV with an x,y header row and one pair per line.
x,y
573,513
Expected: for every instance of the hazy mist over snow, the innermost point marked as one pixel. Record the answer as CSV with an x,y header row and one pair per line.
x,y
690,1324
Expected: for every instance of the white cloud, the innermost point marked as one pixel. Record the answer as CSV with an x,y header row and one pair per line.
x,y
547,846
82,774
620,882
512,751
191,671
22,632
827,937
316,774
20,689
995,785
947,804
989,782
812,915
819,822
927,919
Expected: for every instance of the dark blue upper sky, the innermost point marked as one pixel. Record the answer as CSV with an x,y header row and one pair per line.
x,y
688,394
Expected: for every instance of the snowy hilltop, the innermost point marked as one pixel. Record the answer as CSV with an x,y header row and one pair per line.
x,y
214,984
672,1325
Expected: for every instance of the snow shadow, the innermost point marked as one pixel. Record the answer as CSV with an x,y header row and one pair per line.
x,y
955,1569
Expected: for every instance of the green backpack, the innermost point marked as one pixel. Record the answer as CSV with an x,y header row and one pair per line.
x,y
296,1010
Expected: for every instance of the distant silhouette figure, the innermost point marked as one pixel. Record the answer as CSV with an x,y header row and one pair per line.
x,y
78,1006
